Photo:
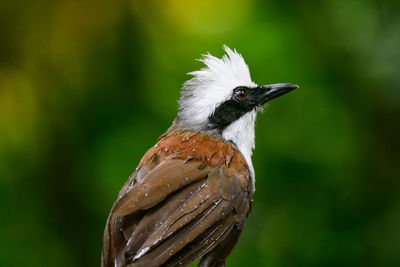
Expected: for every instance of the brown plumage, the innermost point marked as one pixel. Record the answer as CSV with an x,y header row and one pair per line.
x,y
188,198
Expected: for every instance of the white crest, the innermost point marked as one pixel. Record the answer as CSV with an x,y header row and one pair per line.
x,y
213,85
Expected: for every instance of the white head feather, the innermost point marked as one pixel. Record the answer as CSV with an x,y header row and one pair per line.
x,y
213,85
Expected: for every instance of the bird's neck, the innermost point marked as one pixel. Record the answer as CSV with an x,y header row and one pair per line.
x,y
241,133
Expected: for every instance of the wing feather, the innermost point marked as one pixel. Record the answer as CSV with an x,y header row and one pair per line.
x,y
167,177
172,213
203,243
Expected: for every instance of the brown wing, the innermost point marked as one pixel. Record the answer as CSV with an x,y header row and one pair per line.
x,y
173,211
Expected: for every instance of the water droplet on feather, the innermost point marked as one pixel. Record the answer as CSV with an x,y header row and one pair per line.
x,y
185,139
188,158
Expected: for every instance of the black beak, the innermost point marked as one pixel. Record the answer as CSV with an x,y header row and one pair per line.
x,y
272,91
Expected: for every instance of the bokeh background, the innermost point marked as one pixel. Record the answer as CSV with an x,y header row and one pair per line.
x,y
86,87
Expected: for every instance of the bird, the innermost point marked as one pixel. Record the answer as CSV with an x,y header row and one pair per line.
x,y
192,191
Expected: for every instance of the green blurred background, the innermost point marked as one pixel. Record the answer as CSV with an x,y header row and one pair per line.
x,y
86,87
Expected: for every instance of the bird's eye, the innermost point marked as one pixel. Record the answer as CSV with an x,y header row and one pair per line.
x,y
240,94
